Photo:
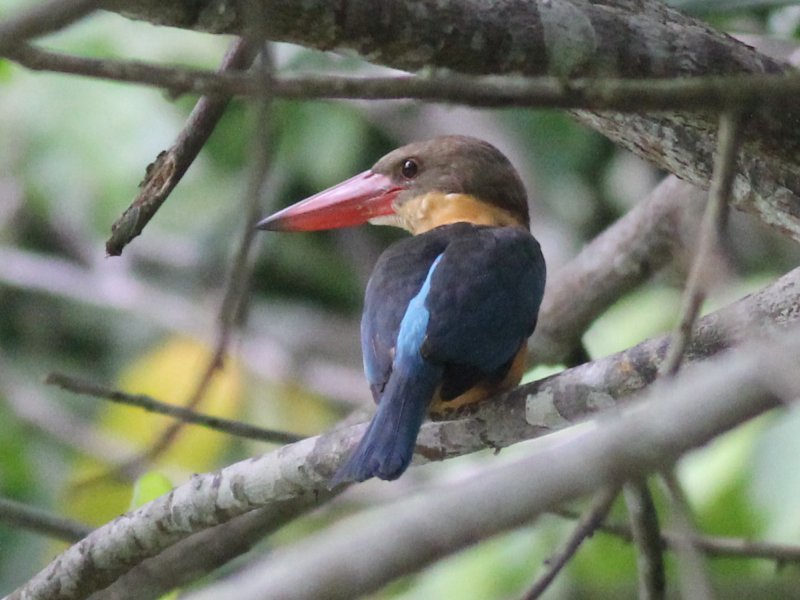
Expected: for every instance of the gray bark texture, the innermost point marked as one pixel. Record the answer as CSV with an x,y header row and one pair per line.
x,y
294,478
566,38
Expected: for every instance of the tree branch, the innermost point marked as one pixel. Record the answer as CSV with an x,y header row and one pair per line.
x,y
44,17
169,167
17,514
694,576
185,415
646,535
713,224
618,260
586,526
713,546
299,473
199,554
566,38
712,93
352,557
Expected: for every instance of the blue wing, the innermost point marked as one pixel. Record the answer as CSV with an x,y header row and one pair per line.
x,y
483,304
396,280
443,310
483,300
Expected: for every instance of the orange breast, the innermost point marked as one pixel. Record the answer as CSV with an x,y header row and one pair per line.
x,y
483,391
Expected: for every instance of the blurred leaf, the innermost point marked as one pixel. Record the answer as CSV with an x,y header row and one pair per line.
x,y
321,143
148,487
775,484
604,561
168,373
638,316
290,408
5,71
16,469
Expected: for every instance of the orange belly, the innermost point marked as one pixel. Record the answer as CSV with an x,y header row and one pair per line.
x,y
484,390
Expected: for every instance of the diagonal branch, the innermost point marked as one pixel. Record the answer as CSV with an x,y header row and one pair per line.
x,y
44,17
591,520
352,557
185,415
713,224
298,474
170,165
17,514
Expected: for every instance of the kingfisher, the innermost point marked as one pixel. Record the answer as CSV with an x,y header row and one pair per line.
x,y
447,312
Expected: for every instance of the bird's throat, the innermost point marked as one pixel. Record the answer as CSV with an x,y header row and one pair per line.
x,y
434,209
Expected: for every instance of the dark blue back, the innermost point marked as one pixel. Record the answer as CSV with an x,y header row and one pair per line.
x,y
483,302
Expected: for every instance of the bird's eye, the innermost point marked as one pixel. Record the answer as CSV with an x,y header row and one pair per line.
x,y
409,168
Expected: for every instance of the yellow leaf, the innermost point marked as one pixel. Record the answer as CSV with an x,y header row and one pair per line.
x,y
170,373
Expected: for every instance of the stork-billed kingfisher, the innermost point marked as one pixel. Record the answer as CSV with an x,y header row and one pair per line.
x,y
448,312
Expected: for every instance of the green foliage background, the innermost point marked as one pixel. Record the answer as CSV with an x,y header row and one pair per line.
x,y
72,151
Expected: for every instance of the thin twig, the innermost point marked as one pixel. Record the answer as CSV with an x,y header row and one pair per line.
x,y
646,535
236,288
712,546
185,415
17,514
42,18
236,291
715,93
592,518
693,573
166,171
714,219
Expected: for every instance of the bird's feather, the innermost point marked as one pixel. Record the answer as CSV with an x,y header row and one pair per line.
x,y
388,444
444,310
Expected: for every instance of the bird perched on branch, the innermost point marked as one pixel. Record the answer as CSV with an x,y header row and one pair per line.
x,y
448,312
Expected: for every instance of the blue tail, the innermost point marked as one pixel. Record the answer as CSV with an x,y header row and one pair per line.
x,y
388,445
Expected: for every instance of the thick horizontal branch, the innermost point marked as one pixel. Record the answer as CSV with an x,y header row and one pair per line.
x,y
299,473
565,38
197,555
353,558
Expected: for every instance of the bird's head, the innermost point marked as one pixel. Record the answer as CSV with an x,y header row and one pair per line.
x,y
418,187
